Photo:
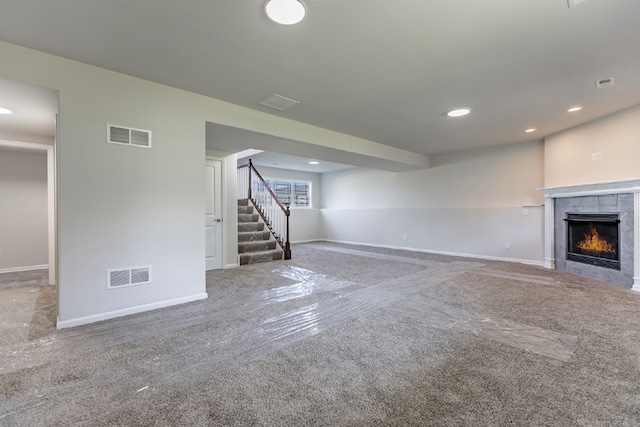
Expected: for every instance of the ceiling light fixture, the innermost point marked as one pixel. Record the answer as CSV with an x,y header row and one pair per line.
x,y
530,130
458,112
574,109
314,162
4,110
285,12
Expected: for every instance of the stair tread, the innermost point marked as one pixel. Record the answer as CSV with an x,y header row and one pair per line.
x,y
256,246
266,251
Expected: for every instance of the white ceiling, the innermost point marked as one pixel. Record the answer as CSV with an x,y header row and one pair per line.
x,y
285,161
382,70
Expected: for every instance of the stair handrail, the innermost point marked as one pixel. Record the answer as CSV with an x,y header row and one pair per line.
x,y
285,244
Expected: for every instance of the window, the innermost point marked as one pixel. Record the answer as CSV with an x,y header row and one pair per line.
x,y
293,193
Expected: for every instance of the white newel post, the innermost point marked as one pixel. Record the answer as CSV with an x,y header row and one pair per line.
x,y
549,231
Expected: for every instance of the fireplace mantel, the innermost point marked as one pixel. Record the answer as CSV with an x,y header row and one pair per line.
x,y
608,187
594,189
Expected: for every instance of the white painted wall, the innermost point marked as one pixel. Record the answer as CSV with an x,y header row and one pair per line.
x,y
122,207
615,141
23,209
468,203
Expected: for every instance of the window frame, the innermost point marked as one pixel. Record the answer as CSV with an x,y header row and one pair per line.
x,y
271,181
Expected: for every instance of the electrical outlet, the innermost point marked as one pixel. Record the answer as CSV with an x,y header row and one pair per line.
x,y
594,156
525,211
507,245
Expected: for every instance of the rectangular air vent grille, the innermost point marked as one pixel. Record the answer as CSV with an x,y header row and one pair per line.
x,y
128,277
603,83
128,136
278,102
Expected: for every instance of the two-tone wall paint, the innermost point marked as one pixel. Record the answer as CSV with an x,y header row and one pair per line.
x,y
471,203
120,207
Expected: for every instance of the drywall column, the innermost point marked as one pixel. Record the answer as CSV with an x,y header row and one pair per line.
x,y
549,232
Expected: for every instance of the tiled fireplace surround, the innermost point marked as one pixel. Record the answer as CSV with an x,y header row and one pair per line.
x,y
621,197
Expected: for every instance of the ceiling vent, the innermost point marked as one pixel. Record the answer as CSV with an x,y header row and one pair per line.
x,y
278,102
602,83
128,136
128,277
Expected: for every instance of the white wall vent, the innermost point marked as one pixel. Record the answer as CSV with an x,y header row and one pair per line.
x,y
602,83
278,102
128,136
128,277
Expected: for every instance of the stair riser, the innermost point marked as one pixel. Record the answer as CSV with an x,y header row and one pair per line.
x,y
246,247
245,209
253,258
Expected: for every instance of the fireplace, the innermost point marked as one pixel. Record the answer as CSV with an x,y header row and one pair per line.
x,y
613,210
593,239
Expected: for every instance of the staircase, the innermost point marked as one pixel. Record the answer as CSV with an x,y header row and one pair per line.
x,y
255,241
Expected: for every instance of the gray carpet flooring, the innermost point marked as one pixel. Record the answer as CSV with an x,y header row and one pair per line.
x,y
338,336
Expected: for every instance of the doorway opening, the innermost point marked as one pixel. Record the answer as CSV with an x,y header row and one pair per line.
x,y
28,249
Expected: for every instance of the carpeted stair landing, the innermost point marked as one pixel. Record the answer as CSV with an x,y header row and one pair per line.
x,y
255,241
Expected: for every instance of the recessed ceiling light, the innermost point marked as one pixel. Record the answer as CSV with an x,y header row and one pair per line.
x,y
314,162
4,110
574,109
458,112
530,130
285,12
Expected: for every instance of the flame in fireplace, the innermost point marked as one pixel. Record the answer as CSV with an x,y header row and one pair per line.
x,y
595,245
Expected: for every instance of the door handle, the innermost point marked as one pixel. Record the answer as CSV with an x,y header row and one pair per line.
x,y
218,220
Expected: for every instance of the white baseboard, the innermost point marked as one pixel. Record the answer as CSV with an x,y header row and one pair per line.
x,y
61,324
458,254
299,242
236,265
26,268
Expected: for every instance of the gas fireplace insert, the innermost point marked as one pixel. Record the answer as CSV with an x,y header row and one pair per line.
x,y
593,239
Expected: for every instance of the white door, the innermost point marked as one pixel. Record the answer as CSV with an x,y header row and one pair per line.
x,y
213,214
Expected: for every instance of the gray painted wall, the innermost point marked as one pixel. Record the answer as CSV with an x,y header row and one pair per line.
x,y
23,209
